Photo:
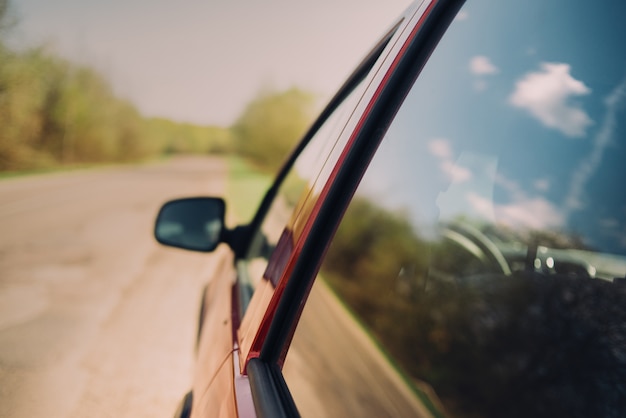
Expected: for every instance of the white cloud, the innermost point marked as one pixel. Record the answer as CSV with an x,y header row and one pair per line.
x,y
533,213
481,65
441,148
455,173
525,213
522,210
542,185
546,95
482,205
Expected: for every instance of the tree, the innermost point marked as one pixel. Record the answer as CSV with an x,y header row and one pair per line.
x,y
271,124
7,21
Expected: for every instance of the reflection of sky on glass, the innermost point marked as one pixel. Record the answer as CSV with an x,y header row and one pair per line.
x,y
519,121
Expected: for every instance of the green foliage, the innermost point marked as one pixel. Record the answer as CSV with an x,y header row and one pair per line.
x,y
172,137
7,21
245,189
271,124
489,344
54,112
23,94
359,262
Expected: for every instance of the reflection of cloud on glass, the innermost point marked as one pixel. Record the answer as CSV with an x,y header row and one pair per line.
x,y
546,95
530,213
478,178
481,65
534,213
542,185
601,141
455,172
441,148
521,211
462,15
482,205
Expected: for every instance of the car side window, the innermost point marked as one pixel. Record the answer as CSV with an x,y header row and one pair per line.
x,y
479,270
310,168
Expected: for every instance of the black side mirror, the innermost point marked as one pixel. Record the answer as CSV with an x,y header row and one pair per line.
x,y
195,223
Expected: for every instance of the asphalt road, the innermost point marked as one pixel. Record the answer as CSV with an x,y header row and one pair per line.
x,y
96,319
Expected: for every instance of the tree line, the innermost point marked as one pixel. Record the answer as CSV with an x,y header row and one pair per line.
x,y
55,112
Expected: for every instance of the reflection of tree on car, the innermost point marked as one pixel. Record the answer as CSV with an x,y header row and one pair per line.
x,y
454,314
505,344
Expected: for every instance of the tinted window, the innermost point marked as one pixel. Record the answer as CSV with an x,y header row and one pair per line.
x,y
479,270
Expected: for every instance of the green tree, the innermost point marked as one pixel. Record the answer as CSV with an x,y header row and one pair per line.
x,y
53,111
22,96
172,137
271,124
7,20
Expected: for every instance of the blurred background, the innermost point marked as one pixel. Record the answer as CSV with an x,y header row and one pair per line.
x,y
92,81
107,109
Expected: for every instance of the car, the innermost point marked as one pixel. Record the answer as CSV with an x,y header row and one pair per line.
x,y
447,239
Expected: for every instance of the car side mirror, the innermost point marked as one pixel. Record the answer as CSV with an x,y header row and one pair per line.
x,y
195,223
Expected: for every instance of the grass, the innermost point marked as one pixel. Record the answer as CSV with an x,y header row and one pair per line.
x,y
245,188
51,170
67,168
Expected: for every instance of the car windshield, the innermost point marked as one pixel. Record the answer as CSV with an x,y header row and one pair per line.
x,y
484,252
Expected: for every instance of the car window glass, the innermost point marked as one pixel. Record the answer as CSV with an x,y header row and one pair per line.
x,y
480,269
310,168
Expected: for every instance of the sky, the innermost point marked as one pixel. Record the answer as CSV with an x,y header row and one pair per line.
x,y
201,61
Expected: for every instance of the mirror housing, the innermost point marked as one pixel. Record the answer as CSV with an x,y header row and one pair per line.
x,y
195,223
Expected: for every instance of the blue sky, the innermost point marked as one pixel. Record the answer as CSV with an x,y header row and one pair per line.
x,y
519,118
202,61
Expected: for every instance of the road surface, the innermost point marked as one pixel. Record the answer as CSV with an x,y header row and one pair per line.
x,y
96,319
